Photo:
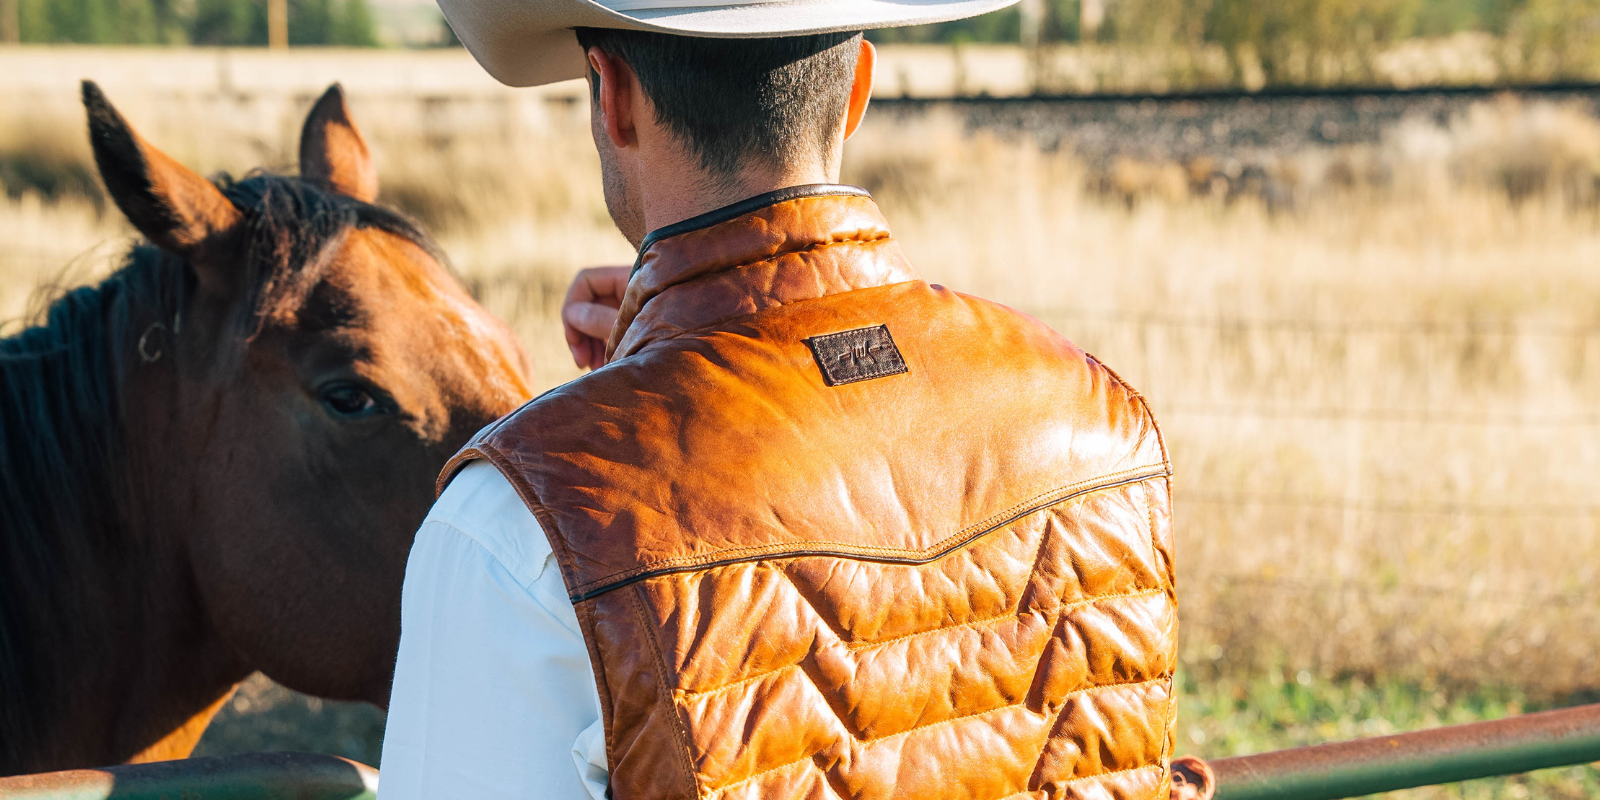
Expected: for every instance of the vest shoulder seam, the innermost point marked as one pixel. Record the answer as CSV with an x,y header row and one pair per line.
x,y
530,497
934,552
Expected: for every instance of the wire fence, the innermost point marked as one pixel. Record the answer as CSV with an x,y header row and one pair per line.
x,y
1324,340
1451,509
1325,327
1410,416
1581,601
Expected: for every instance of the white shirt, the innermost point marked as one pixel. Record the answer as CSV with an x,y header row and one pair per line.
x,y
493,693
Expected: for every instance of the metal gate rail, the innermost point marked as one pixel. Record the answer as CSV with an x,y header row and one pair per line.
x,y
257,776
1321,772
1421,758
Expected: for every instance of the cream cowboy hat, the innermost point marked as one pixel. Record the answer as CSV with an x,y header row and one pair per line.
x,y
530,42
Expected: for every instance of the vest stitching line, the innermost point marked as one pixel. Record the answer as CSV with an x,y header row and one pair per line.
x,y
1006,516
785,765
1015,613
1089,601
1022,705
962,718
693,693
680,727
1107,774
1118,685
1012,706
934,552
1111,481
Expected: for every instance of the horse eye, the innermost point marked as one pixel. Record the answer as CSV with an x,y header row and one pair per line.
x,y
349,400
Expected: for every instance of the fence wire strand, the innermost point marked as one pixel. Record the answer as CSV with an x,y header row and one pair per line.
x,y
1381,327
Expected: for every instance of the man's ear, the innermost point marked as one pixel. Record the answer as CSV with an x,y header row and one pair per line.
x,y
615,97
170,204
861,88
334,153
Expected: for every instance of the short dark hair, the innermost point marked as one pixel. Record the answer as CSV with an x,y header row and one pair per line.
x,y
734,100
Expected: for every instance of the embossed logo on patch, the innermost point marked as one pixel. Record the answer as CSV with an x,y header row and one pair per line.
x,y
858,355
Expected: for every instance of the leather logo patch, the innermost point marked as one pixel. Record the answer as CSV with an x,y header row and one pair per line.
x,y
858,355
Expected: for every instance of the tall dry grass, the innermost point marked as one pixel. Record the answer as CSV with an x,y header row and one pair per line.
x,y
1380,404
1379,397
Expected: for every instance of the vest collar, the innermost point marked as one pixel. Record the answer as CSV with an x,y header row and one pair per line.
x,y
794,244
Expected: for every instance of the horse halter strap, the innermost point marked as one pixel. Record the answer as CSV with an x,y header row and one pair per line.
x,y
146,354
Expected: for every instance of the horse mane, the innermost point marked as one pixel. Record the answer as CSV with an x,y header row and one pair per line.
x,y
67,500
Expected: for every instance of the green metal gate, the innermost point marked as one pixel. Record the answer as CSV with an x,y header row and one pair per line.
x,y
1322,772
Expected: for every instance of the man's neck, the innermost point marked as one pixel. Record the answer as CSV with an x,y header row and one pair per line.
x,y
690,193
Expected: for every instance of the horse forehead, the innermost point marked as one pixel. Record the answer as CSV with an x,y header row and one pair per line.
x,y
387,287
379,279
385,265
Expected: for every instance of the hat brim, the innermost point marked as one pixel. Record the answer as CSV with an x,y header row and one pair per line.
x,y
530,42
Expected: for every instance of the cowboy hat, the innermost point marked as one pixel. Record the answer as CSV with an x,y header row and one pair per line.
x,y
530,42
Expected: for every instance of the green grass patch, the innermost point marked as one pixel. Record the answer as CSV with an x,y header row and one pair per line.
x,y
1224,716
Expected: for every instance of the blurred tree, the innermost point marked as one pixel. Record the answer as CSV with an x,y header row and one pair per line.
x,y
1556,39
447,34
203,22
220,22
355,26
311,21
89,21
1287,41
1000,26
1280,26
332,22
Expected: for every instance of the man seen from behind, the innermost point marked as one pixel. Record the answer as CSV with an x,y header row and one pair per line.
x,y
812,527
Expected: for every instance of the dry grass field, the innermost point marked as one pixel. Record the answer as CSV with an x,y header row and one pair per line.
x,y
1378,380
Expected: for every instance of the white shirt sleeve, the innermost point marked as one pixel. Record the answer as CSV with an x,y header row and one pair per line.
x,y
493,693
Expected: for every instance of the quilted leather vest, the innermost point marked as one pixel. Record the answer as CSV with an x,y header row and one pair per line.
x,y
832,531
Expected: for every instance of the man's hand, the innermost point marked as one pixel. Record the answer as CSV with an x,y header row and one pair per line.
x,y
590,311
1192,779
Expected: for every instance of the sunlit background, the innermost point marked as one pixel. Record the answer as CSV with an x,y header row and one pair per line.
x,y
1369,320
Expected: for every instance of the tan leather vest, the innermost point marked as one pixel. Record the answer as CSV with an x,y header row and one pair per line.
x,y
831,531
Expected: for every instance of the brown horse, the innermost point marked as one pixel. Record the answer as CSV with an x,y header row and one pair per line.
x,y
214,461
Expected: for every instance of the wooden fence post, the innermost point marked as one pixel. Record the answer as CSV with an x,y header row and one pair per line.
x,y
277,24
1090,14
10,21
1032,12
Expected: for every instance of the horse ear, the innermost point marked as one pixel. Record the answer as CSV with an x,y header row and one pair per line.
x,y
169,203
333,152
